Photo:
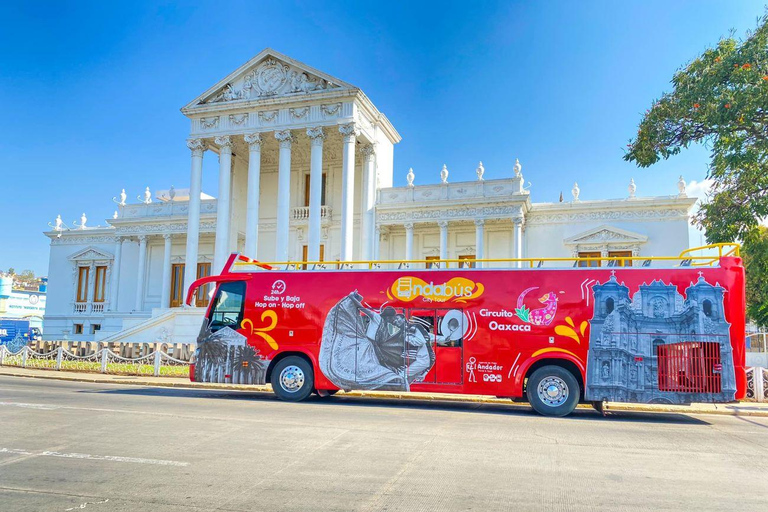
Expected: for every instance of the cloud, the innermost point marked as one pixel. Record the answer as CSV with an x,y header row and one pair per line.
x,y
699,189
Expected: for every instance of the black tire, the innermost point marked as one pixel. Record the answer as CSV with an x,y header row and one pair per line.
x,y
292,379
565,386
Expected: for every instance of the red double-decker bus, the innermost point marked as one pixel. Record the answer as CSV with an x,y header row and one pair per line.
x,y
552,331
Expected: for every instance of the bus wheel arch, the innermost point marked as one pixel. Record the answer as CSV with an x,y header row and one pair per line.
x,y
563,362
292,376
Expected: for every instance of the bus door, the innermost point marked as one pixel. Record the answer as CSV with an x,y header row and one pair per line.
x,y
451,325
423,326
444,330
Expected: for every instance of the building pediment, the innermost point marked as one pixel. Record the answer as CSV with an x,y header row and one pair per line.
x,y
606,234
90,254
269,74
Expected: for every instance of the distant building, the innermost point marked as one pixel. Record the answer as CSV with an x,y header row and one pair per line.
x,y
26,302
306,174
657,331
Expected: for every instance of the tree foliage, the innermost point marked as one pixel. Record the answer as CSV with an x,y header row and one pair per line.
x,y
721,100
755,253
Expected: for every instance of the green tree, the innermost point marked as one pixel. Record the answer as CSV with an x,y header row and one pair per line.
x,y
720,99
755,253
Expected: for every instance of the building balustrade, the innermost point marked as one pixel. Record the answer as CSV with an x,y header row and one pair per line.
x,y
302,213
82,308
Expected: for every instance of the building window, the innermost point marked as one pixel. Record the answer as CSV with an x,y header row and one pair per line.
x,y
82,284
609,306
78,328
95,327
467,264
306,190
590,259
99,286
177,283
305,252
707,307
431,259
203,297
621,254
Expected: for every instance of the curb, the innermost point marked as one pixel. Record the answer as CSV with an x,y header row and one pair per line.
x,y
736,409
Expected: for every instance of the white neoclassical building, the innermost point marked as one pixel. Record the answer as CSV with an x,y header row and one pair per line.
x,y
305,173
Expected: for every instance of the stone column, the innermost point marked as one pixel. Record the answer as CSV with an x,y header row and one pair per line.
x,y
517,240
223,203
114,284
283,195
443,224
197,146
408,240
479,241
316,136
377,244
141,273
165,296
349,132
252,195
369,199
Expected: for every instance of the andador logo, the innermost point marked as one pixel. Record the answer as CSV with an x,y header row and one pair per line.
x,y
458,289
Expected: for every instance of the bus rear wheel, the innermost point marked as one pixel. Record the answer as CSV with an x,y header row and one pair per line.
x,y
292,379
553,391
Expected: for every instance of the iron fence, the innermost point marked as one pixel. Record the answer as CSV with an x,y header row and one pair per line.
x,y
158,362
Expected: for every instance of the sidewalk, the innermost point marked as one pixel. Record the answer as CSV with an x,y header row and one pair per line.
x,y
736,409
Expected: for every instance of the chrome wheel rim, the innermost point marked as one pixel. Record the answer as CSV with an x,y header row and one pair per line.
x,y
553,391
291,379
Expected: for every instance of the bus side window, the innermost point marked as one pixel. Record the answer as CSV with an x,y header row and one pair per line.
x,y
227,310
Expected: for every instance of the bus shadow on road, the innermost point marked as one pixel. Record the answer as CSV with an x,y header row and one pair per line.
x,y
341,401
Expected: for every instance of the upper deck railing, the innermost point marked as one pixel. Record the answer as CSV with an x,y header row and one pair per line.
x,y
687,258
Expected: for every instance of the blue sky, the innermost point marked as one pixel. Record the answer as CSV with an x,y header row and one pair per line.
x,y
91,92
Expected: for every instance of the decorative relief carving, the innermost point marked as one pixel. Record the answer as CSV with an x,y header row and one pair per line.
x,y
331,110
299,113
224,142
209,122
271,78
253,140
349,131
268,116
553,218
197,146
317,135
285,138
238,119
468,213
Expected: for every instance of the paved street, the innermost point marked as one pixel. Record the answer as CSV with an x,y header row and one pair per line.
x,y
132,448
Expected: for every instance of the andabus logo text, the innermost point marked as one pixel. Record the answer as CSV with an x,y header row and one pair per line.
x,y
458,289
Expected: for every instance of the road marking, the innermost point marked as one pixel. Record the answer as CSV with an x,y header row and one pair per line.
x,y
44,407
86,456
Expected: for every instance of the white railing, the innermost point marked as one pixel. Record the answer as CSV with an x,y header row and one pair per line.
x,y
82,308
757,342
157,363
302,212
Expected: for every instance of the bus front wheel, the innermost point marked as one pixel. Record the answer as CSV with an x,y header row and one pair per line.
x,y
292,379
553,391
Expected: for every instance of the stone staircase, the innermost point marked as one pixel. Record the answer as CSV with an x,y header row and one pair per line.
x,y
174,325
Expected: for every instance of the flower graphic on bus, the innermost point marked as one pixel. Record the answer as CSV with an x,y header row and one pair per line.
x,y
569,331
268,315
539,316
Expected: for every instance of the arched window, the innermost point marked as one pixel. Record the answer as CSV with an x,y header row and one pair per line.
x,y
608,305
707,307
